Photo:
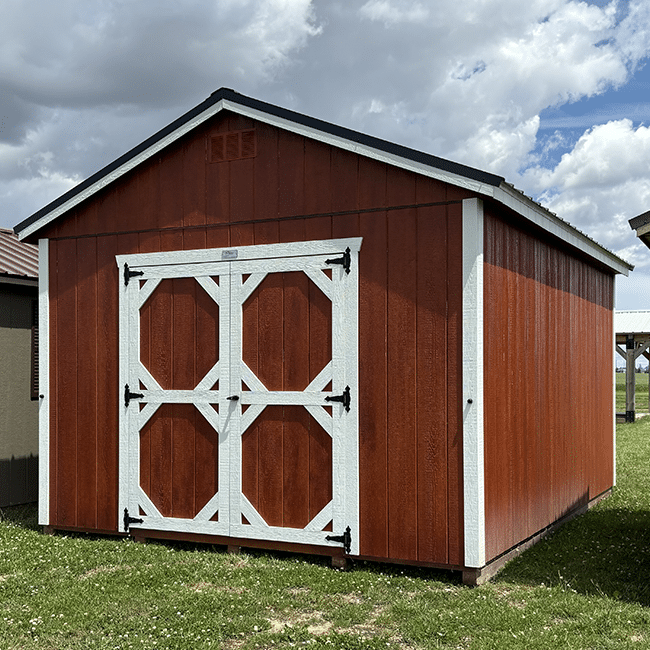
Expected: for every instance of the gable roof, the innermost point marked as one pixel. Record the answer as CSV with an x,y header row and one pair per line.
x,y
18,260
483,183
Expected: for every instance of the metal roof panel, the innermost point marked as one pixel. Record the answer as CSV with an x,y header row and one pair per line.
x,y
17,258
632,322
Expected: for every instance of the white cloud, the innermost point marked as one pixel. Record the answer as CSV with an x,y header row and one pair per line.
x,y
393,13
614,153
600,184
80,83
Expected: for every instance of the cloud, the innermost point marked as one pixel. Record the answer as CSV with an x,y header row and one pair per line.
x,y
393,13
80,83
106,53
601,183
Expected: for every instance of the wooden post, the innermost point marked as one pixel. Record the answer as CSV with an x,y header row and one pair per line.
x,y
630,379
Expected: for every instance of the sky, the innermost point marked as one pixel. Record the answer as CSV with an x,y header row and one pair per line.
x,y
554,95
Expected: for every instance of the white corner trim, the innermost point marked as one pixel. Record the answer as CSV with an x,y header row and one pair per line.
x,y
43,383
473,452
614,379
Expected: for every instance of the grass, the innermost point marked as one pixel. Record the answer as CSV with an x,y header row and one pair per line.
x,y
641,392
585,587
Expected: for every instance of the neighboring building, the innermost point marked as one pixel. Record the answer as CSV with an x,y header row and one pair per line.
x,y
642,226
264,330
632,342
18,383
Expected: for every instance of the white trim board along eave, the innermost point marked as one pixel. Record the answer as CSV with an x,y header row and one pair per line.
x,y
531,211
503,194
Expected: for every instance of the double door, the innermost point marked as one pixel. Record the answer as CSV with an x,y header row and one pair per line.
x,y
239,392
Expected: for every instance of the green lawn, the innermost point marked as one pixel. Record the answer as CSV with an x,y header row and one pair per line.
x,y
641,392
586,587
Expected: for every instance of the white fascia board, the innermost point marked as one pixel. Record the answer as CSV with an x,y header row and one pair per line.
x,y
362,150
43,383
546,220
504,194
473,425
287,125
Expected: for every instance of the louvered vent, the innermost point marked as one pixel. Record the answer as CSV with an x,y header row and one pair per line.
x,y
232,146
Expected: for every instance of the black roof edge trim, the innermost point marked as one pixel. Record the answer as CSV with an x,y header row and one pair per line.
x,y
282,113
640,220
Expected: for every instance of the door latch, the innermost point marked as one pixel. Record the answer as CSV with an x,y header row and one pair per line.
x,y
345,539
128,395
344,398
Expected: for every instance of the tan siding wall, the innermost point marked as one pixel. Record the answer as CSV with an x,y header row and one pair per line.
x,y
18,413
548,383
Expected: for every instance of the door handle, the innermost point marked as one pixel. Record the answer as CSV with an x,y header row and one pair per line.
x,y
233,398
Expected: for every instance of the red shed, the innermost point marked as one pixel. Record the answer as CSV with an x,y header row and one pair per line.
x,y
263,330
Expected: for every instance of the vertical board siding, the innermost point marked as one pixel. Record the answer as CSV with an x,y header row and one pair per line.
x,y
454,378
410,324
548,369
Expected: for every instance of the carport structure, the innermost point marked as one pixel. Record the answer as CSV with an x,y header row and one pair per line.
x,y
632,341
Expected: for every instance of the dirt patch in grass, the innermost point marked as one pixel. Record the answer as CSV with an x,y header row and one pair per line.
x,y
291,620
298,591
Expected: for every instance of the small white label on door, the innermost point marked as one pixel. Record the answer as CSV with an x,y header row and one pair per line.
x,y
229,255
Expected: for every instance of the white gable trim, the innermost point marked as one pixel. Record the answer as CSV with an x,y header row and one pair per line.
x,y
123,169
503,194
361,149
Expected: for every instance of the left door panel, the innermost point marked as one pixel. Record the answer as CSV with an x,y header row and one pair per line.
x,y
172,361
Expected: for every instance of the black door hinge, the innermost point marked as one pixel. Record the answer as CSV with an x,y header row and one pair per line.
x,y
128,274
345,539
344,398
345,260
130,520
128,395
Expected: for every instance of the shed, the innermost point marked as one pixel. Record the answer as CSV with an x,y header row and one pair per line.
x,y
632,341
18,381
264,330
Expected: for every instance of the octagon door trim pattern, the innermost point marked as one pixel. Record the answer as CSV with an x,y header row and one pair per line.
x,y
229,277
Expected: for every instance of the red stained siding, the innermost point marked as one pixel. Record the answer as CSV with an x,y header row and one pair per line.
x,y
548,383
410,327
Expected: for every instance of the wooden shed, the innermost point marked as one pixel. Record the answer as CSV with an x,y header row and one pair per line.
x,y
18,381
264,330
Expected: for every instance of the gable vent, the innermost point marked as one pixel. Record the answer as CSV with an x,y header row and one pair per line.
x,y
232,146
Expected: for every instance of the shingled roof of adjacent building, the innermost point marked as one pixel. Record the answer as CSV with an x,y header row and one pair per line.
x,y
17,259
